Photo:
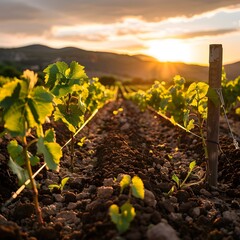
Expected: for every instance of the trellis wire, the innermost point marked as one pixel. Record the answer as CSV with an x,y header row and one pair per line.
x,y
219,92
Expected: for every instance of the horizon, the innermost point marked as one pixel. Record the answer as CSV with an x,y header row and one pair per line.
x,y
156,29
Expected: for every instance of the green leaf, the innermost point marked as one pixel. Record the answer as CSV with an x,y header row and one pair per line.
x,y
124,218
76,71
128,212
63,182
51,150
190,125
125,182
33,159
114,213
14,118
8,91
137,187
21,173
43,103
16,152
50,135
73,118
176,179
52,186
192,165
31,77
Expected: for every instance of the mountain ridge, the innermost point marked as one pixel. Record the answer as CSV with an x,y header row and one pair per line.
x,y
97,64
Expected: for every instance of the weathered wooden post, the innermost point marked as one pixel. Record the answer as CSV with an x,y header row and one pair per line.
x,y
215,75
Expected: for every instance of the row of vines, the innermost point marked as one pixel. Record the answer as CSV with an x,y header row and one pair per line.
x,y
187,106
68,95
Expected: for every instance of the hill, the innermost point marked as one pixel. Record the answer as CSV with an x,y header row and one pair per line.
x,y
97,64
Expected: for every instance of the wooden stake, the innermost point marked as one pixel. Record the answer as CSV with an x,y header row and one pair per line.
x,y
215,75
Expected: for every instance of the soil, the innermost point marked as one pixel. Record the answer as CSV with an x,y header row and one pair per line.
x,y
131,142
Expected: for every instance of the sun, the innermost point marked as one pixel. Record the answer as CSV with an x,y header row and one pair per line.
x,y
169,50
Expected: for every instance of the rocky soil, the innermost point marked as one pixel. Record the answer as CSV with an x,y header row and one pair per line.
x,y
123,140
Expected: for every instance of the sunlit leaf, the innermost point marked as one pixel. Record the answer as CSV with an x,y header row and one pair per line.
x,y
176,179
128,212
137,187
51,151
192,165
63,182
125,182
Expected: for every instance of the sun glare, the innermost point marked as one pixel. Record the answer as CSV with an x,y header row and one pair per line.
x,y
169,50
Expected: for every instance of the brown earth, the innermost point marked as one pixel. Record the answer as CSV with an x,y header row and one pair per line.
x,y
135,143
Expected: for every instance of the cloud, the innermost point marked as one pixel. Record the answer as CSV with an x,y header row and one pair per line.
x,y
204,33
104,11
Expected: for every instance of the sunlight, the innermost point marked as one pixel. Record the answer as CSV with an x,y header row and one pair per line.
x,y
169,50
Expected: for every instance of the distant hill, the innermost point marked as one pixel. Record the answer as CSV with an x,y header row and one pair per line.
x,y
97,64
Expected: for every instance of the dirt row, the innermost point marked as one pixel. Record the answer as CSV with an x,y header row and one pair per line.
x,y
123,140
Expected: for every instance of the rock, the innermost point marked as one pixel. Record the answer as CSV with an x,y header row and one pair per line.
x,y
58,197
235,204
47,200
70,197
125,127
156,217
24,210
185,207
67,217
167,205
48,211
230,216
195,212
205,192
149,198
162,231
83,195
182,196
165,187
108,182
46,233
104,192
72,205
9,230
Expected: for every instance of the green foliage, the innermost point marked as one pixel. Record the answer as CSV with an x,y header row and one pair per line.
x,y
122,217
181,184
231,92
24,106
59,186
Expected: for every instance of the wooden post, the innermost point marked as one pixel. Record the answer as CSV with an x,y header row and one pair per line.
x,y
215,75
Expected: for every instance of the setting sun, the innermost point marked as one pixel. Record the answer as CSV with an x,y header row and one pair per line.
x,y
170,50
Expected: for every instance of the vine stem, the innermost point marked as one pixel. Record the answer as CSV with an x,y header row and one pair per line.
x,y
34,187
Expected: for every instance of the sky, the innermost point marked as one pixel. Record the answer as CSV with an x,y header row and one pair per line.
x,y
169,30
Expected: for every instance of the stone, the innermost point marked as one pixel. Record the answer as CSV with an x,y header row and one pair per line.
x,y
58,197
24,210
205,192
70,197
108,182
67,217
149,198
182,196
162,231
9,230
230,216
104,192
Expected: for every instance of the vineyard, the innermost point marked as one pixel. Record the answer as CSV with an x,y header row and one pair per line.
x,y
80,160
